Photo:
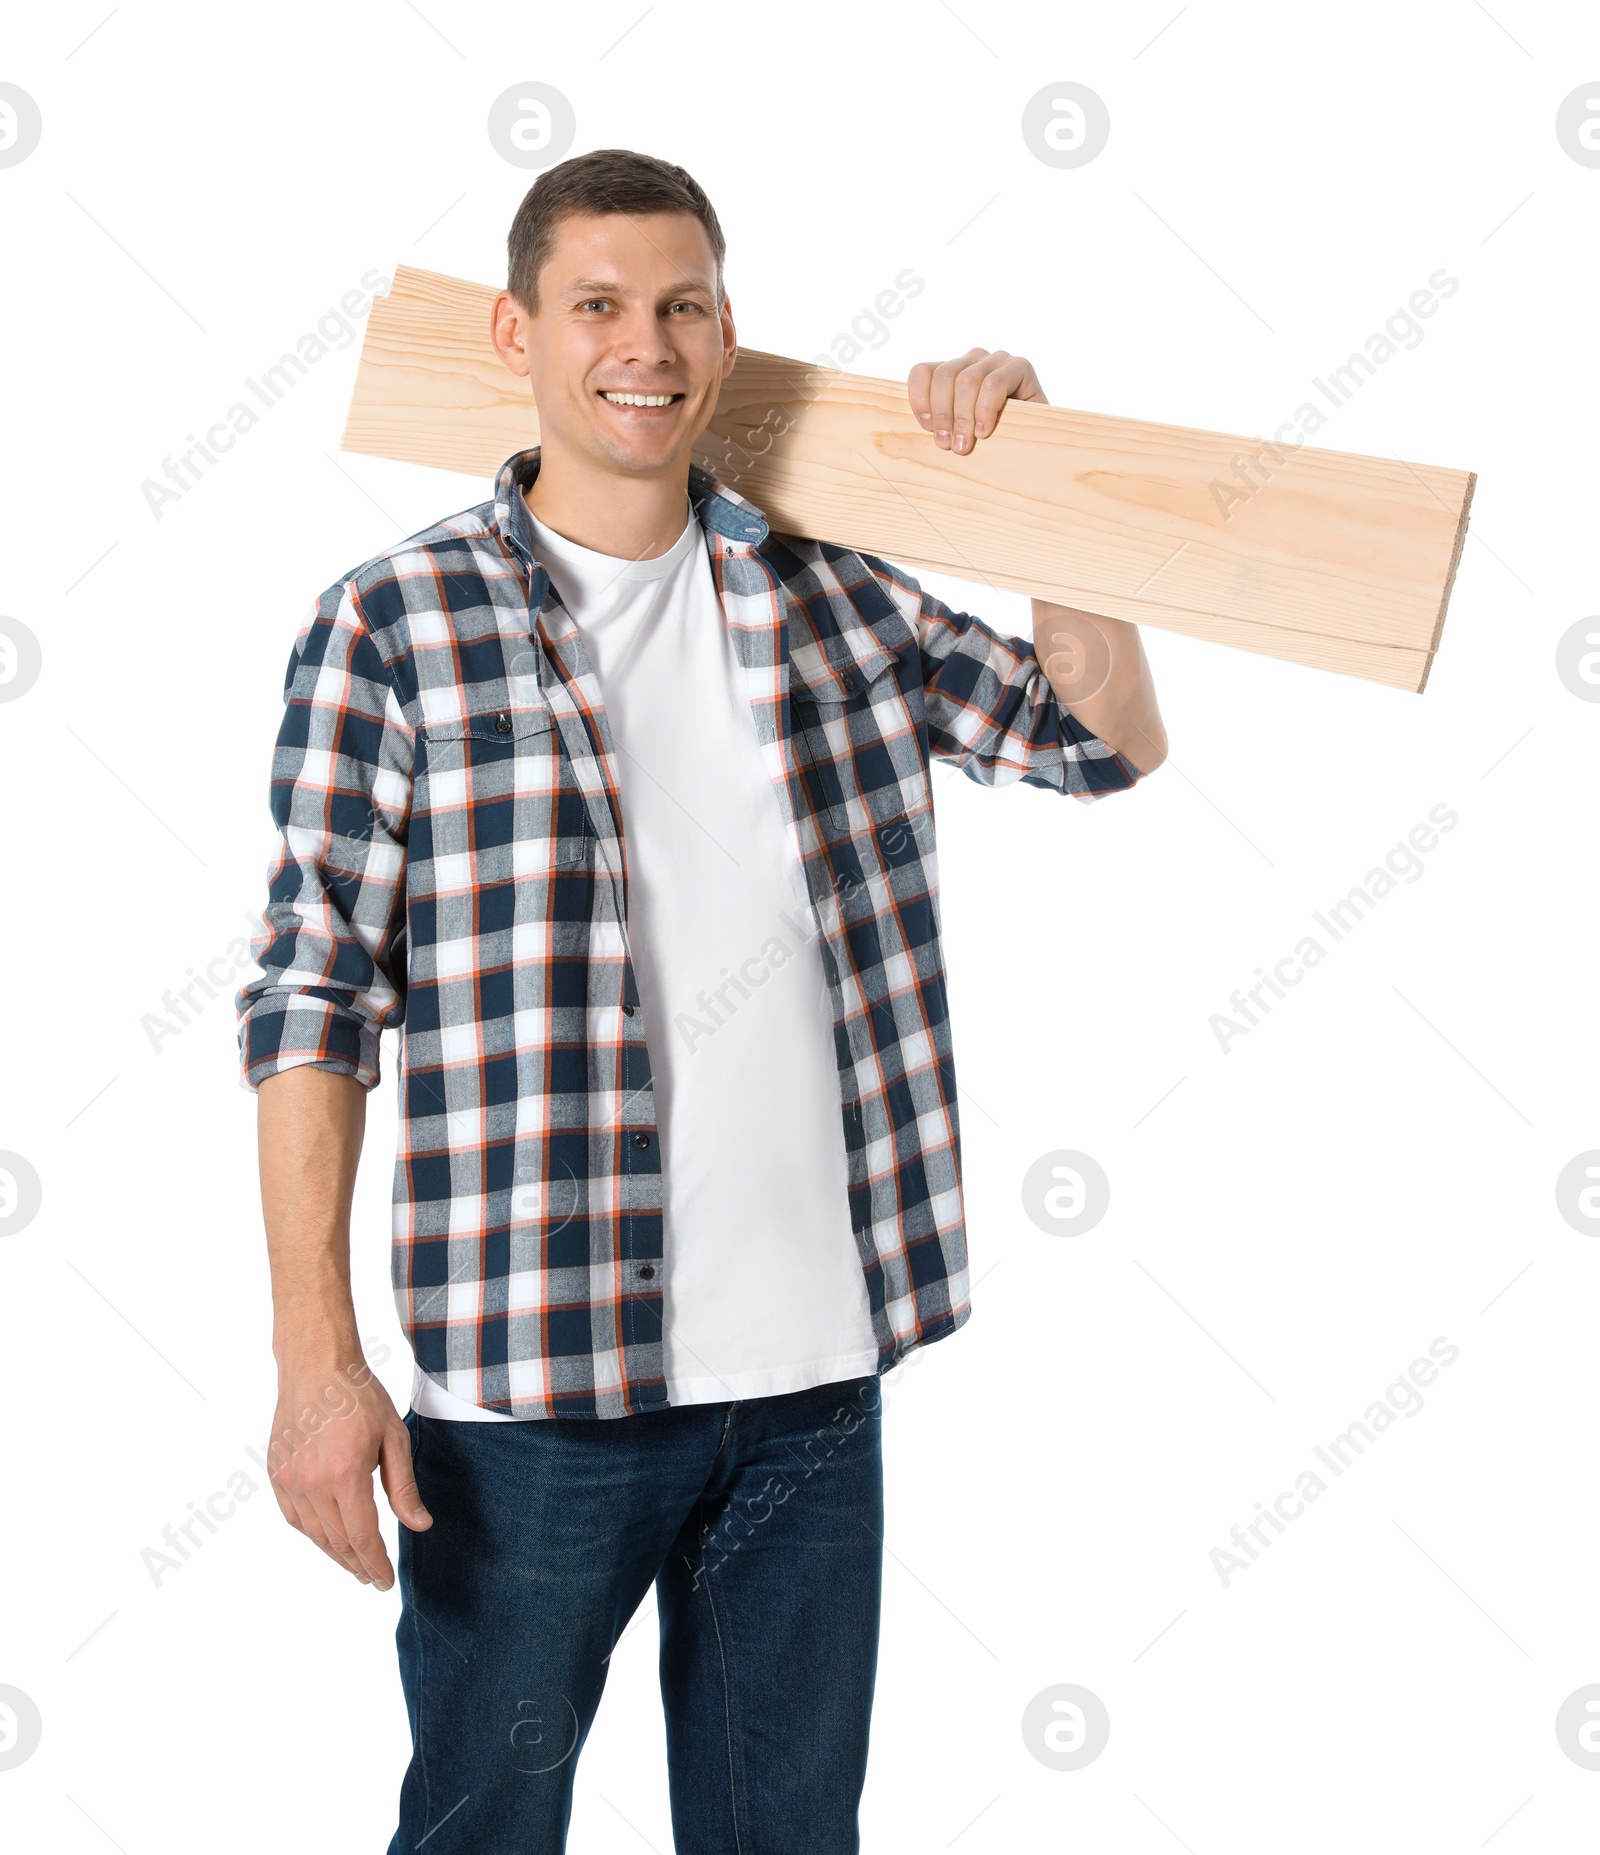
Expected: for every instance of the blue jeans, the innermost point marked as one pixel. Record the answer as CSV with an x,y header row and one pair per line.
x,y
759,1521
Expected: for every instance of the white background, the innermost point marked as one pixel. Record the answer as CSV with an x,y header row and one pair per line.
x,y
1370,1168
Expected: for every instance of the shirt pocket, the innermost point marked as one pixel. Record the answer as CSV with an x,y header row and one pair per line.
x,y
499,797
863,762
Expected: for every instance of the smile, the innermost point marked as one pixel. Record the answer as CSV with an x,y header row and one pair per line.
x,y
647,400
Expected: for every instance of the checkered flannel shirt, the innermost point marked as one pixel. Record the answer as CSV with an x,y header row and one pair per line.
x,y
452,867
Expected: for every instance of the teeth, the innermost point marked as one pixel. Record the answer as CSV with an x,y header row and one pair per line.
x,y
639,399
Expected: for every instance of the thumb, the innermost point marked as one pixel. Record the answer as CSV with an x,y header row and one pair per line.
x,y
399,1483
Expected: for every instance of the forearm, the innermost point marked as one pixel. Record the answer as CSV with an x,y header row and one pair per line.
x,y
1095,665
1100,674
309,1125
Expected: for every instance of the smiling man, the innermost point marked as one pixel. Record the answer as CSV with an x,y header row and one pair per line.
x,y
615,805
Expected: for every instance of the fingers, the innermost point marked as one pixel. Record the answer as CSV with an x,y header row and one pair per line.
x,y
320,1464
321,1520
358,1522
931,389
975,386
926,401
399,1483
322,1483
323,1529
1010,377
296,1502
960,401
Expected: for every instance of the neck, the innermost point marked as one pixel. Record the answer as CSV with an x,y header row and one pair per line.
x,y
633,517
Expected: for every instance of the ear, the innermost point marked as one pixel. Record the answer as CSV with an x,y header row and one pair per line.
x,y
508,332
730,338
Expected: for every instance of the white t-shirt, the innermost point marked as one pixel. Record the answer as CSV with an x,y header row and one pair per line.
x,y
763,1288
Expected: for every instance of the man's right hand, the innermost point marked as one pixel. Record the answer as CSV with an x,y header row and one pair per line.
x,y
334,1423
333,1426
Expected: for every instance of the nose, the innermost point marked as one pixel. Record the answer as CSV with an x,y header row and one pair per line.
x,y
642,338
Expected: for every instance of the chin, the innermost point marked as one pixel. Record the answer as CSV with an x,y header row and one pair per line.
x,y
642,457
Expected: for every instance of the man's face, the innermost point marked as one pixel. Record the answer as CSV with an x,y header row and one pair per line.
x,y
627,304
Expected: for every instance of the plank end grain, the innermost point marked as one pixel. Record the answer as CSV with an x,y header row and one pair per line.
x,y
1455,560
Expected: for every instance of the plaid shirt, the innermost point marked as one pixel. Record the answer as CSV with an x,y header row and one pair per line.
x,y
452,866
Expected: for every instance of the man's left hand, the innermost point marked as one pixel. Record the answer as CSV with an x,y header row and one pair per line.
x,y
959,401
1095,664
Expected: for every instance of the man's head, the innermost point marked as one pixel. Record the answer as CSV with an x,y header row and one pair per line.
x,y
614,285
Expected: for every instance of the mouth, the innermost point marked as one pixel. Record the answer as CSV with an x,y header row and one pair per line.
x,y
640,408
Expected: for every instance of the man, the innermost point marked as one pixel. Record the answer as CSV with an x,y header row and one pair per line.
x,y
615,806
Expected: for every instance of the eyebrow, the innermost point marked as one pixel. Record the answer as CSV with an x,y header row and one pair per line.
x,y
610,286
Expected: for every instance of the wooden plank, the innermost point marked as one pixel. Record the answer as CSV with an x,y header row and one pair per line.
x,y
1325,558
1395,665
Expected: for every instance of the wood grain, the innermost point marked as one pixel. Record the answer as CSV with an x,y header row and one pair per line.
x,y
1324,558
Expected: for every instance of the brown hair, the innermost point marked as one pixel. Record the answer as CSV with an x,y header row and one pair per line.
x,y
607,180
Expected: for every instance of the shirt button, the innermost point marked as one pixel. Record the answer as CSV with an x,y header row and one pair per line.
x,y
502,724
641,1140
647,1271
848,683
627,1011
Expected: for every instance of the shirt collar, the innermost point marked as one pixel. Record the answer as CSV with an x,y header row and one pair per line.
x,y
718,507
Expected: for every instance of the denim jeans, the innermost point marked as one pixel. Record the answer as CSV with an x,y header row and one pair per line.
x,y
759,1521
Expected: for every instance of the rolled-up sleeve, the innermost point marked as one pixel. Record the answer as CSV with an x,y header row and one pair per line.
x,y
332,950
991,709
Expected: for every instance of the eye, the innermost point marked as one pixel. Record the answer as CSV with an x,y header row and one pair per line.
x,y
594,299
